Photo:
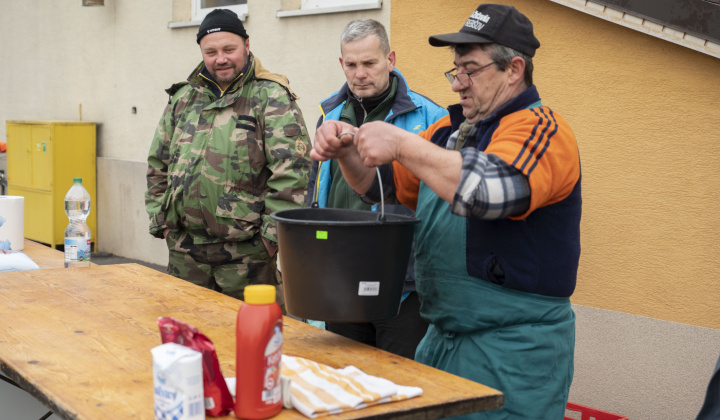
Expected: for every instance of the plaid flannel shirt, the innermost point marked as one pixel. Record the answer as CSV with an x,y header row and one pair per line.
x,y
489,188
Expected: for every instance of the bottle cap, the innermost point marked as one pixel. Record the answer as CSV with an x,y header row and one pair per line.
x,y
77,180
259,294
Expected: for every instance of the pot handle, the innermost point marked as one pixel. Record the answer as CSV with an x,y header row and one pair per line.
x,y
381,217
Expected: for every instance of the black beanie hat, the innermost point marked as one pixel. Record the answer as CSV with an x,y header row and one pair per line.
x,y
221,20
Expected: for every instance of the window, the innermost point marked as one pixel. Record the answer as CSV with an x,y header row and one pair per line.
x,y
311,4
200,8
311,7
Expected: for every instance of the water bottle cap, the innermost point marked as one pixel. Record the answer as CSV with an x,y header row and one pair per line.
x,y
77,180
259,294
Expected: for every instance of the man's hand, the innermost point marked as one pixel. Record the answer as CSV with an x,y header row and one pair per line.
x,y
379,143
329,144
374,144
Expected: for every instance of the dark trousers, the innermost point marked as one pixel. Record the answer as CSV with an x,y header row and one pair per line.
x,y
400,335
711,408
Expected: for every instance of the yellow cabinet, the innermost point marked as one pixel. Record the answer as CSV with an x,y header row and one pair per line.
x,y
43,157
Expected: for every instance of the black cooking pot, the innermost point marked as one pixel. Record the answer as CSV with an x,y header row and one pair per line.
x,y
341,265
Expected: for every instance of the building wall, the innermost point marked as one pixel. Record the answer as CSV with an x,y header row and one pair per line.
x,y
112,64
644,111
645,114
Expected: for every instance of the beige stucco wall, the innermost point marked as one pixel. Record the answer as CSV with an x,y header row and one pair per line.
x,y
61,57
305,48
111,64
645,114
644,111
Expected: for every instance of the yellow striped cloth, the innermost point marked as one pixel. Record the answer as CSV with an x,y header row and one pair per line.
x,y
317,390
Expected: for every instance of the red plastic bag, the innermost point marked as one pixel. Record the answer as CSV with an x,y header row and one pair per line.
x,y
218,401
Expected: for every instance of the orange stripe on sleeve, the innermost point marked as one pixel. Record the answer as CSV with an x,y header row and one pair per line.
x,y
542,146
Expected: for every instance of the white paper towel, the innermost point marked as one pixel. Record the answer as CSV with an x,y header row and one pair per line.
x,y
12,222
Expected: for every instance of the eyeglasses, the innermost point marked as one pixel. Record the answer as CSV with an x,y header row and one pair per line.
x,y
464,78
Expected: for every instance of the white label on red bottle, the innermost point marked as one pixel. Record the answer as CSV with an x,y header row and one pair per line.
x,y
271,393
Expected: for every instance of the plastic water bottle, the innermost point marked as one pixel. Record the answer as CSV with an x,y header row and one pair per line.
x,y
77,233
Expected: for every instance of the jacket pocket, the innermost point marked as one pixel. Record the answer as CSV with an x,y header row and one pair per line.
x,y
236,203
239,213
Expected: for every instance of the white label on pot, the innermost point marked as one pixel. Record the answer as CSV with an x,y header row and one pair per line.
x,y
369,288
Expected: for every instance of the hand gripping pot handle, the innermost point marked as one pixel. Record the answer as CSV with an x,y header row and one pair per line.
x,y
377,169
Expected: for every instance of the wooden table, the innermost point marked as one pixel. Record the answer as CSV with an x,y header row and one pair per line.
x,y
79,341
43,255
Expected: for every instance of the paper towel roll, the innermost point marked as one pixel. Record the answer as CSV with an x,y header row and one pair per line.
x,y
12,222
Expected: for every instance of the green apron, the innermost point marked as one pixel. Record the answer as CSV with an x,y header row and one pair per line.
x,y
519,343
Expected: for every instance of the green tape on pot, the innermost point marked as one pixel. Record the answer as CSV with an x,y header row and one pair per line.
x,y
321,234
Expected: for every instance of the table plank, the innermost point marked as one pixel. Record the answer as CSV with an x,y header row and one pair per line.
x,y
79,340
43,255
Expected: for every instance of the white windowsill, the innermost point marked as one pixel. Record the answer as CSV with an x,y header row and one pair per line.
x,y
189,23
377,4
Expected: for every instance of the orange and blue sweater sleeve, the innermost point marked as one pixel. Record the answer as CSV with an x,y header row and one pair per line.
x,y
541,145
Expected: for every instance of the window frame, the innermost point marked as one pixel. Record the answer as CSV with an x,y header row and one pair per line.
x,y
324,4
315,7
198,13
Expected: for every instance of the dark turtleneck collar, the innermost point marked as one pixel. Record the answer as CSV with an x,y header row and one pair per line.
x,y
365,106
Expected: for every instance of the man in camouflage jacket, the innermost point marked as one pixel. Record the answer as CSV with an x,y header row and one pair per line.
x,y
231,148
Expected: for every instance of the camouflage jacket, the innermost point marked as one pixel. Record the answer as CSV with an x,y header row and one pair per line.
x,y
217,168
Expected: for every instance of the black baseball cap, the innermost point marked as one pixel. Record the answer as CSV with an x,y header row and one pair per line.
x,y
497,24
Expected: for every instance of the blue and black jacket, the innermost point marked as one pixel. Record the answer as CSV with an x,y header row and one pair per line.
x,y
410,111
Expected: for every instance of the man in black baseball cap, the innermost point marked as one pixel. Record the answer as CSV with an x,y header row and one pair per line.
x,y
497,24
507,37
496,186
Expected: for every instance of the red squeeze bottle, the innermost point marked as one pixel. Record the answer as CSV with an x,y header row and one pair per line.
x,y
259,350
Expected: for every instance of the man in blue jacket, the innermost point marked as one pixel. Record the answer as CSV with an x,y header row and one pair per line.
x,y
374,91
